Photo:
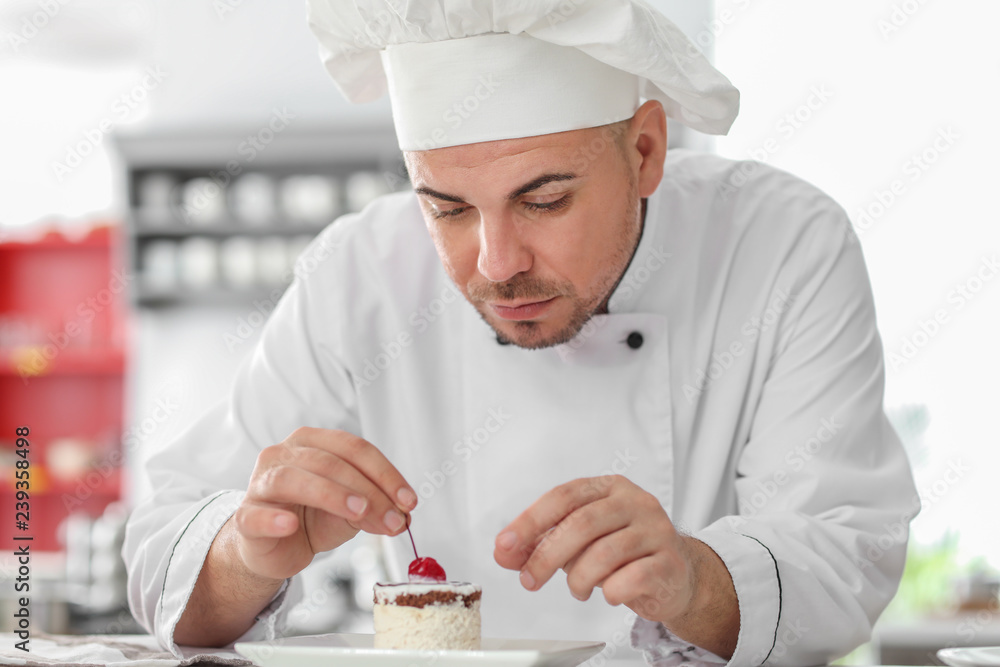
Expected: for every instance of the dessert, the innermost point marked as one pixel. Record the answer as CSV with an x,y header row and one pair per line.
x,y
429,612
427,615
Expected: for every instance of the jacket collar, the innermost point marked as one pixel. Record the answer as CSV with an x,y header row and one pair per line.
x,y
646,261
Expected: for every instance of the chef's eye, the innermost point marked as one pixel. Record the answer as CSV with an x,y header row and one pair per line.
x,y
440,214
549,206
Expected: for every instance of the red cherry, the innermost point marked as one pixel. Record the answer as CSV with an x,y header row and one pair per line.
x,y
427,568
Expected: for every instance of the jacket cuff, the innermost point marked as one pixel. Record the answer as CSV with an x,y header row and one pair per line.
x,y
187,557
758,592
661,648
271,623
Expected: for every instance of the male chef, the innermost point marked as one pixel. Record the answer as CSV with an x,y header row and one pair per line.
x,y
636,396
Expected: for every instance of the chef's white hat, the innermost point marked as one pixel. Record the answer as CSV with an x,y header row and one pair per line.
x,y
465,71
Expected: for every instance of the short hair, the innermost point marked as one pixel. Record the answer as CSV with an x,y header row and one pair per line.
x,y
619,133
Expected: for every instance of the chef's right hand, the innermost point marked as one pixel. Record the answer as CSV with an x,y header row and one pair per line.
x,y
313,492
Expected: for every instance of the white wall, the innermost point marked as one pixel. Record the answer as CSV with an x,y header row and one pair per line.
x,y
236,65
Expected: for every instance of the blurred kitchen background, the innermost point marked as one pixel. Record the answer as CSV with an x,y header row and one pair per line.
x,y
162,164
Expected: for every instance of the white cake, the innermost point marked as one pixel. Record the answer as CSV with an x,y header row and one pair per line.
x,y
432,616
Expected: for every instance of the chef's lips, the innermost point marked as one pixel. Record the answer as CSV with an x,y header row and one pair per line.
x,y
519,289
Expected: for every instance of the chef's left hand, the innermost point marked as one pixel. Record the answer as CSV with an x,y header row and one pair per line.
x,y
608,533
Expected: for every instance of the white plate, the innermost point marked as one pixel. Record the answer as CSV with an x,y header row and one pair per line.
x,y
334,649
986,656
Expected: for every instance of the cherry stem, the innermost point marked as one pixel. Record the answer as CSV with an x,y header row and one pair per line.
x,y
412,543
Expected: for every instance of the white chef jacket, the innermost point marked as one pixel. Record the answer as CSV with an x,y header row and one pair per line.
x,y
752,410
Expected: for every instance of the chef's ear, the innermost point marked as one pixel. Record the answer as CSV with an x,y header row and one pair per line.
x,y
647,137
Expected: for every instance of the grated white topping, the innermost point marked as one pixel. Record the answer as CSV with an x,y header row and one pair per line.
x,y
435,627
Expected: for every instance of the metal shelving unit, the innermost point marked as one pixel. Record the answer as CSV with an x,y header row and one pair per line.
x,y
191,193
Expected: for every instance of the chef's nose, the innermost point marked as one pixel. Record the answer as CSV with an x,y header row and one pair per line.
x,y
502,254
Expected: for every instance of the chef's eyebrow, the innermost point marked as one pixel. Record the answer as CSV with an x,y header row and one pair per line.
x,y
524,189
539,182
424,190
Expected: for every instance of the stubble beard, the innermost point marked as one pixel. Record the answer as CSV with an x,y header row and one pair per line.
x,y
527,334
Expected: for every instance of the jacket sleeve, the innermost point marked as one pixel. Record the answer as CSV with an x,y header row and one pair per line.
x,y
291,379
824,490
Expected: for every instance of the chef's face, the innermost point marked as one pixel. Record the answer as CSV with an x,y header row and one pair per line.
x,y
537,232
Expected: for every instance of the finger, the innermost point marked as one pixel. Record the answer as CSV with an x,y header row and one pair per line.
x,y
605,556
504,559
515,544
256,521
262,530
364,456
372,511
325,531
293,485
573,537
649,587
